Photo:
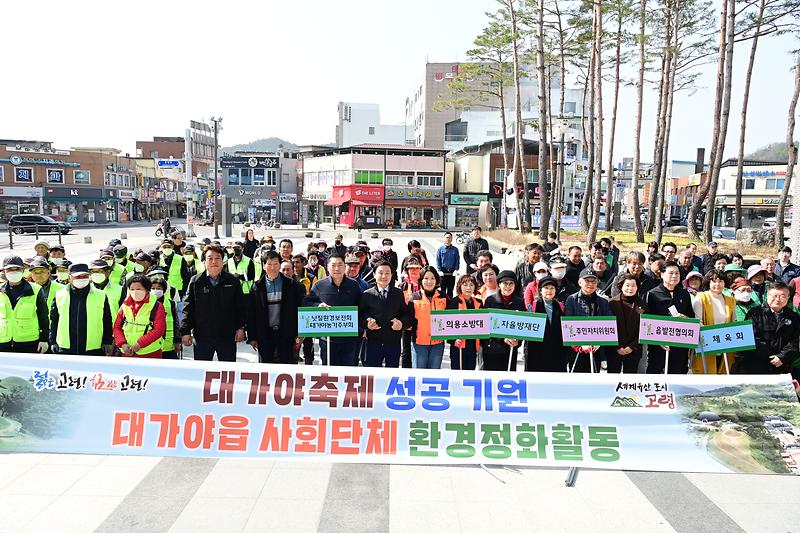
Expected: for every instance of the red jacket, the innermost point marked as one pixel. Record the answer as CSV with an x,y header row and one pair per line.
x,y
529,296
154,335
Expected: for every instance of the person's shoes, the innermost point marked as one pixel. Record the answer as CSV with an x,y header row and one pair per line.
x,y
604,365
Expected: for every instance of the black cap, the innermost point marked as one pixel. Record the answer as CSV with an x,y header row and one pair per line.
x,y
141,256
167,241
57,247
388,241
14,261
106,252
547,280
79,268
206,240
506,274
587,273
114,242
39,262
188,248
155,271
98,263
120,250
66,264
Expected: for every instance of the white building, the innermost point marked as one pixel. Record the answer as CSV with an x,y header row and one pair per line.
x,y
361,124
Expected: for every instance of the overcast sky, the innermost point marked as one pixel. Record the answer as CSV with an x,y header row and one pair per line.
x,y
99,73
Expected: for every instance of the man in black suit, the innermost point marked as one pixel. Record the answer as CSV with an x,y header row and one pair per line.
x,y
384,315
272,326
659,302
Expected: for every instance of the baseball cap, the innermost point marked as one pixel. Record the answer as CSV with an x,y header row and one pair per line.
x,y
586,273
13,261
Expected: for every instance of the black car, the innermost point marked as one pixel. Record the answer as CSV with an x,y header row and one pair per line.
x,y
20,224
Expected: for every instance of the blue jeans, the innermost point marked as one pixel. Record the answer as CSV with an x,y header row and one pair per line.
x,y
427,356
343,352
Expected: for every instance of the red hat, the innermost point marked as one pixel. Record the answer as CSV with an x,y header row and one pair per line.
x,y
740,282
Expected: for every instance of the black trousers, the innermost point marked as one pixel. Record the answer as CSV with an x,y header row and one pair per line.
x,y
19,347
678,360
582,363
627,364
405,353
448,281
271,347
205,349
308,350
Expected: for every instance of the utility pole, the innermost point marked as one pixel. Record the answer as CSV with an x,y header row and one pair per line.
x,y
217,183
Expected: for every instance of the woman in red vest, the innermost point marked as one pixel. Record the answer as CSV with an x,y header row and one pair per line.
x,y
141,321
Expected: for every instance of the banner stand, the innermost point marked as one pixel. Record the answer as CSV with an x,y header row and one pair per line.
x,y
591,360
727,364
703,356
328,349
572,476
666,359
511,357
460,359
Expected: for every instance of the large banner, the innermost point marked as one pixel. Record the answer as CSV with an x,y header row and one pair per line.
x,y
101,405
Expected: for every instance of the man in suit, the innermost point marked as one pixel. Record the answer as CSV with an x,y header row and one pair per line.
x,y
272,326
660,301
384,315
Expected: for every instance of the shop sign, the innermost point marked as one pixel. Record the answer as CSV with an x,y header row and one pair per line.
x,y
55,175
365,193
467,199
126,194
763,173
112,193
169,163
496,190
17,160
694,180
21,192
766,201
249,162
315,196
263,202
415,194
171,196
288,197
74,192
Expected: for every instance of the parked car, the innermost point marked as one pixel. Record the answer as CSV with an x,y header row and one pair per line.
x,y
20,224
724,233
772,223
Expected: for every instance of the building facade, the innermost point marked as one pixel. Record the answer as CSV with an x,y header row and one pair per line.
x,y
374,185
261,185
361,124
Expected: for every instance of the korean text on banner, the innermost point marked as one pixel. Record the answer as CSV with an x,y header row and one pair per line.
x,y
332,322
727,338
677,332
589,330
460,324
518,325
115,405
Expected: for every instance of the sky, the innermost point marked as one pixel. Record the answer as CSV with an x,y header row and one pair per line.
x,y
99,73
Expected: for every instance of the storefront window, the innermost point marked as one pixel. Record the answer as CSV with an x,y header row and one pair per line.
x,y
55,175
7,208
246,177
233,176
272,177
111,211
499,174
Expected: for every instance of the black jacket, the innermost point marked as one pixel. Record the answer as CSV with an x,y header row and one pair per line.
x,y
773,337
628,318
708,262
250,247
77,322
550,355
210,312
292,295
471,249
659,300
348,293
574,271
25,289
646,284
372,305
495,301
525,275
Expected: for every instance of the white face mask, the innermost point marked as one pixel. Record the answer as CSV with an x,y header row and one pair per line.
x,y
157,293
167,251
80,283
138,268
559,273
386,247
189,258
138,294
14,277
742,296
98,278
58,260
62,276
541,276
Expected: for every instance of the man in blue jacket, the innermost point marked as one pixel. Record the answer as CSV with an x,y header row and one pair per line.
x,y
448,261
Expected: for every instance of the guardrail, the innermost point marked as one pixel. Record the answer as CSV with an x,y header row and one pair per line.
x,y
36,230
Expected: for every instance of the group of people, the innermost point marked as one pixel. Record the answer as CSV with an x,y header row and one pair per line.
x,y
212,296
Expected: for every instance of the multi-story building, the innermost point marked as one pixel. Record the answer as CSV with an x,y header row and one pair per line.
x,y
261,185
377,185
361,124
80,185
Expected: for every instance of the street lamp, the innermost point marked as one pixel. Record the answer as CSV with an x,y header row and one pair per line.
x,y
217,183
560,131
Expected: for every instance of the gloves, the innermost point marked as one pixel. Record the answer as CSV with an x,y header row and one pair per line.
x,y
42,347
460,343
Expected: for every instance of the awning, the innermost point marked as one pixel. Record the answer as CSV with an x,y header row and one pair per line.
x,y
358,194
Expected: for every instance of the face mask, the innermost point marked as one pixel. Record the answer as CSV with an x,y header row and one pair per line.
x,y
62,276
138,295
167,251
742,296
110,262
189,258
386,247
237,252
14,277
229,250
97,279
157,293
138,268
58,261
120,259
559,273
541,275
80,283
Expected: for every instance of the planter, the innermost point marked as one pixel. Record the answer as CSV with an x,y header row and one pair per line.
x,y
373,235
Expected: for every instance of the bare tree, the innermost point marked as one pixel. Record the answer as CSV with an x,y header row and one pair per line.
x,y
637,162
544,104
792,150
598,129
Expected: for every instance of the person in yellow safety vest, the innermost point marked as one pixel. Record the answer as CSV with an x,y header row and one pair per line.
x,y
177,271
116,271
141,322
40,275
24,327
142,262
194,265
56,257
171,341
242,267
301,274
157,272
100,280
61,276
126,265
80,318
315,269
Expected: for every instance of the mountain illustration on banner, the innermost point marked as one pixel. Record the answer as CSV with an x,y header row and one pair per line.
x,y
624,401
